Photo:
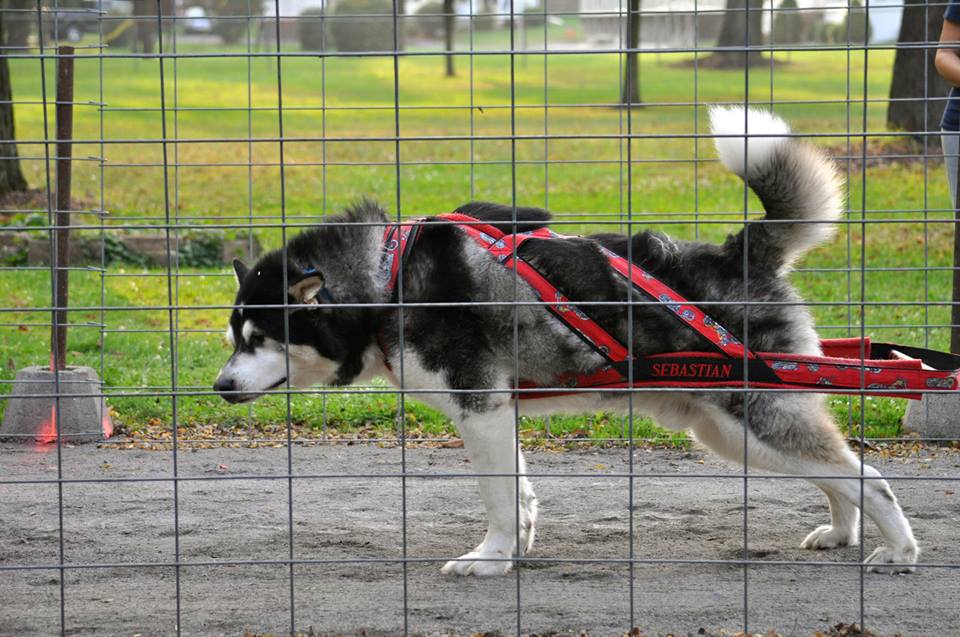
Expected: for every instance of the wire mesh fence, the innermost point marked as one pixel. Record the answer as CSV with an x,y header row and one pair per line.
x,y
208,131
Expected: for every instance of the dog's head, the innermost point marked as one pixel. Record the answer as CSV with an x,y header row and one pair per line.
x,y
313,342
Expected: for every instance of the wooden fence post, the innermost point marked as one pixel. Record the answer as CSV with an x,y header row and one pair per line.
x,y
61,257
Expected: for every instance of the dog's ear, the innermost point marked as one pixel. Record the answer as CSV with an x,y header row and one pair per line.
x,y
310,289
240,269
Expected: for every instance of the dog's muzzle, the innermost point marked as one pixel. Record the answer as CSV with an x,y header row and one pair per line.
x,y
227,388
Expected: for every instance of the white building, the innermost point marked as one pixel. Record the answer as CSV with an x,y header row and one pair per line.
x,y
296,7
670,22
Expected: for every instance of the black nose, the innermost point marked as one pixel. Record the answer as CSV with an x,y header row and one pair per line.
x,y
224,385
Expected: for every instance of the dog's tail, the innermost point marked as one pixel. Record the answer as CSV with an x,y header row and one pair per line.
x,y
793,180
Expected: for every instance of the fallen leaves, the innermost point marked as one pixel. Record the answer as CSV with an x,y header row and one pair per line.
x,y
839,630
157,435
847,630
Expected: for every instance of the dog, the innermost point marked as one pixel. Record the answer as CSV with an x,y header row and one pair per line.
x,y
321,311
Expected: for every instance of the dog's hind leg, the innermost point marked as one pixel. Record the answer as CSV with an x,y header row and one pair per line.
x,y
843,527
491,443
793,435
900,551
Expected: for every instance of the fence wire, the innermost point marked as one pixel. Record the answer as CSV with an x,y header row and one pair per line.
x,y
205,131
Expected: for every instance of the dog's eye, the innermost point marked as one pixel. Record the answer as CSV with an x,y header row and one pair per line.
x,y
256,340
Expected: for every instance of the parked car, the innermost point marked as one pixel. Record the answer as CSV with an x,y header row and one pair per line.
x,y
196,20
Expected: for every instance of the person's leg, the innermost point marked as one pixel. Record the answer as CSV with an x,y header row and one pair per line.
x,y
951,149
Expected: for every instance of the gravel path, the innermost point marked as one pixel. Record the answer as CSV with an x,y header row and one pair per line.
x,y
688,506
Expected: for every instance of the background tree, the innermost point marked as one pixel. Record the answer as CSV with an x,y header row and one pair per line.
x,y
145,19
788,26
401,24
11,176
855,27
230,18
631,73
915,78
734,33
352,30
448,33
19,22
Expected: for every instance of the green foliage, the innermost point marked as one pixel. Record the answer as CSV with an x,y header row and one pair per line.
x,y
787,24
13,250
352,31
821,32
14,246
855,27
27,220
486,20
533,16
233,28
429,22
115,251
201,250
313,31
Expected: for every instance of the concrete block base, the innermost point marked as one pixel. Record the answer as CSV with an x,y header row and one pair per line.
x,y
935,416
31,407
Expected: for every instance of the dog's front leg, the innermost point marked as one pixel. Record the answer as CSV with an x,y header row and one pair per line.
x,y
491,444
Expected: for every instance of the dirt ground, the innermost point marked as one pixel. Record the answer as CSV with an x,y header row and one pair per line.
x,y
687,506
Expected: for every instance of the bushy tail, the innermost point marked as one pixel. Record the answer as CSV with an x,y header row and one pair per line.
x,y
793,180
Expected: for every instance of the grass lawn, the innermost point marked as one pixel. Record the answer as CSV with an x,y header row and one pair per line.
x,y
338,117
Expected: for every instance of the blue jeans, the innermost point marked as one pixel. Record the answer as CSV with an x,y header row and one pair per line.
x,y
951,149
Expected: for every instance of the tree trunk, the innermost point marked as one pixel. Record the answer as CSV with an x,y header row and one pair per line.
x,y
19,22
11,176
145,19
630,93
401,24
448,26
741,27
915,78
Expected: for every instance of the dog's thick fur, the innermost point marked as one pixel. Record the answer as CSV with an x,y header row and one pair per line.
x,y
463,353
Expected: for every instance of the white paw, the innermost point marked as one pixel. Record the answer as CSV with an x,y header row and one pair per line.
x,y
479,563
528,518
527,535
528,526
887,560
829,537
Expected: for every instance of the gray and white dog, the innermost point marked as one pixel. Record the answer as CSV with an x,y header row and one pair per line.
x,y
468,313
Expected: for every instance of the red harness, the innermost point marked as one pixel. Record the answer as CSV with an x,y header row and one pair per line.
x,y
847,366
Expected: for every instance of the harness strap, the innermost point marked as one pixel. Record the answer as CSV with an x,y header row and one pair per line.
x,y
845,367
398,241
688,313
504,247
